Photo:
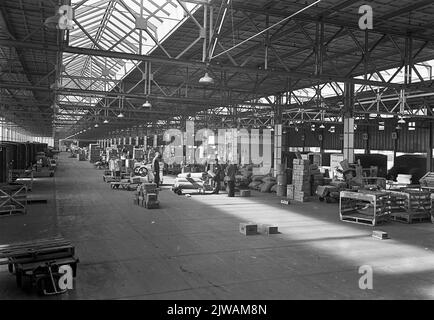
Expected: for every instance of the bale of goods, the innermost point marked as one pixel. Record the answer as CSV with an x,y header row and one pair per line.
x,y
254,184
259,186
266,186
257,178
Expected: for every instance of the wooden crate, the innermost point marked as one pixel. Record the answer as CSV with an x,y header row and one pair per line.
x,y
367,207
409,201
427,180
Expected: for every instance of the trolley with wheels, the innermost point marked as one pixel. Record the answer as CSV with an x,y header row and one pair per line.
x,y
40,264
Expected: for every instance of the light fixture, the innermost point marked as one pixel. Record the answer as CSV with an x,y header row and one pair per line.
x,y
147,104
96,125
206,79
106,121
401,120
120,115
322,126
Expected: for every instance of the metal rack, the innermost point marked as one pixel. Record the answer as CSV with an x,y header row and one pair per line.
x,y
13,199
364,207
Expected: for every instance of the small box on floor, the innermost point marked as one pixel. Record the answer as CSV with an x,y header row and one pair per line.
x,y
382,235
245,193
269,229
248,228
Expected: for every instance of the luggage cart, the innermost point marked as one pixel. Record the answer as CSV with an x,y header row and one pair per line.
x,y
37,263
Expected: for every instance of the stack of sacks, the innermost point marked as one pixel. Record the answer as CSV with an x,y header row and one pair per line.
x,y
256,182
268,183
301,180
246,172
318,177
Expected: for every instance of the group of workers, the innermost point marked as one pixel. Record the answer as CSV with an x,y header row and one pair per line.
x,y
220,174
228,175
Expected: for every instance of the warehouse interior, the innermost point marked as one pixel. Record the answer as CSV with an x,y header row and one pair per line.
x,y
216,149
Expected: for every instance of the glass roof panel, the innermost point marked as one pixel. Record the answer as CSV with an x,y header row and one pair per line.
x,y
111,25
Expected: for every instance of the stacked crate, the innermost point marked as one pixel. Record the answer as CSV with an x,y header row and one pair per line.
x,y
318,177
290,191
301,180
94,153
410,206
147,196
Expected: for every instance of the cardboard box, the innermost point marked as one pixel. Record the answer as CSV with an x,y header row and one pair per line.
x,y
268,229
248,228
290,191
382,235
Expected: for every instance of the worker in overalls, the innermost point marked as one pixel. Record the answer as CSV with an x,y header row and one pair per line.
x,y
156,168
231,170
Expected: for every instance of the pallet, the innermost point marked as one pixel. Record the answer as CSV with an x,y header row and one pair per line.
x,y
409,218
366,220
12,212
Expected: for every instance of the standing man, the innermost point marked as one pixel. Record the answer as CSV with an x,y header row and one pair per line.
x,y
156,169
230,177
218,176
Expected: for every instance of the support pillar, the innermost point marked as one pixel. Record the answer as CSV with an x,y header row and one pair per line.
x,y
277,136
349,123
429,155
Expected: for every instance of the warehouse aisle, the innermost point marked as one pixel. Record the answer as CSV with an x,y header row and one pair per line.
x,y
191,248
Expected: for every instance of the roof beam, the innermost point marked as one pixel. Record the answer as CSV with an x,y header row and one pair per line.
x,y
197,64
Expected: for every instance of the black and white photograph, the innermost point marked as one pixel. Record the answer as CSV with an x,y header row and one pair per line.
x,y
216,156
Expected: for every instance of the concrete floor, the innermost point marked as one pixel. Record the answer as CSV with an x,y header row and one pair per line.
x,y
191,248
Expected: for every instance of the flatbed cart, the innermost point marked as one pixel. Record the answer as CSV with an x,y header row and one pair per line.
x,y
37,263
124,185
195,187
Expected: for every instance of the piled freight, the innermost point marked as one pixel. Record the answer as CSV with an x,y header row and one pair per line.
x,y
301,180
